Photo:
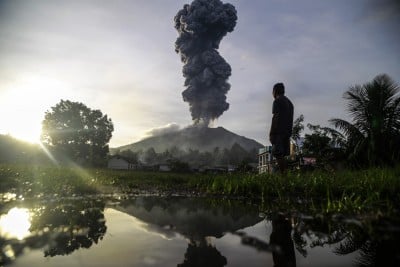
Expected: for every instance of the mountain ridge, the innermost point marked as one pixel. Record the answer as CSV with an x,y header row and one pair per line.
x,y
193,137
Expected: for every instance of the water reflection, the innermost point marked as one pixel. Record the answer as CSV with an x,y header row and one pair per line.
x,y
58,226
194,231
374,242
203,253
67,226
281,240
196,219
15,224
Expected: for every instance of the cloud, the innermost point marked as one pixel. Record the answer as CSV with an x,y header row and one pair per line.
x,y
382,10
169,128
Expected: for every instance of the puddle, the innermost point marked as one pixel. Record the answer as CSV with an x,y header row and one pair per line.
x,y
178,231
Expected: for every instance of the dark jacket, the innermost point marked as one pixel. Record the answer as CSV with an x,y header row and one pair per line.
x,y
282,117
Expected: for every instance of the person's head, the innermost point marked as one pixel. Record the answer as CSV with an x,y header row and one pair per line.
x,y
279,89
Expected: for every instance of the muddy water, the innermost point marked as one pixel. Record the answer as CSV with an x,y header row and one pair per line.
x,y
177,231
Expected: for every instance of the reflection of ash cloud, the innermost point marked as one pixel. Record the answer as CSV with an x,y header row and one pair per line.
x,y
202,254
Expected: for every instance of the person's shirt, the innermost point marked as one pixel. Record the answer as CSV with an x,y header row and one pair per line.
x,y
282,119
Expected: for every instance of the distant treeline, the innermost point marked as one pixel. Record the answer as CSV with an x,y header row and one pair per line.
x,y
15,151
236,155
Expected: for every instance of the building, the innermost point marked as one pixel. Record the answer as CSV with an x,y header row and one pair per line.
x,y
265,159
164,167
120,163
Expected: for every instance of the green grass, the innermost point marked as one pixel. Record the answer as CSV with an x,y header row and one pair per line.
x,y
375,190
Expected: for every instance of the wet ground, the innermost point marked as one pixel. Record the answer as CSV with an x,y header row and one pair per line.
x,y
181,231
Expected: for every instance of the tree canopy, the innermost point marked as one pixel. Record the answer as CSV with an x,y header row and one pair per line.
x,y
75,132
373,135
323,143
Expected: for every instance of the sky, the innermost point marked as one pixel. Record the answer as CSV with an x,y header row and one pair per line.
x,y
119,57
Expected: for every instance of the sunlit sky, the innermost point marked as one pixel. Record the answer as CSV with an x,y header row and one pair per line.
x,y
118,56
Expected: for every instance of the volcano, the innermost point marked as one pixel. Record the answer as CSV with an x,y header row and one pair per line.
x,y
195,138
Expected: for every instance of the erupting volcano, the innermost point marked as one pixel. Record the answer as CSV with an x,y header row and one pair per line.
x,y
201,27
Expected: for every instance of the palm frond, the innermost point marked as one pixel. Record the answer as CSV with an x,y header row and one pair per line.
x,y
349,130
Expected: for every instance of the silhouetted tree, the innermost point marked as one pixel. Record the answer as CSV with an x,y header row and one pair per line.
x,y
373,135
298,127
77,132
150,156
178,166
323,143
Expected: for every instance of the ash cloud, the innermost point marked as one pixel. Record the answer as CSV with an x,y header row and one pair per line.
x,y
166,129
201,27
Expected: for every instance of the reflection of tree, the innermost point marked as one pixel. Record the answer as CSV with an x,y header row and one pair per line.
x,y
375,243
60,226
200,254
73,225
377,249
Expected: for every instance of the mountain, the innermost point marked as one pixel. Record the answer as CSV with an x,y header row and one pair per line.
x,y
195,138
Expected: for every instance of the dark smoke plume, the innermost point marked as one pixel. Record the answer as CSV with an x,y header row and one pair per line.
x,y
201,27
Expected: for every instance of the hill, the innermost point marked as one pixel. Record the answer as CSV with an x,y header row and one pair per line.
x,y
195,138
13,150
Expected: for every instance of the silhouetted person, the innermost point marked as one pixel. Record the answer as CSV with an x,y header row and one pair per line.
x,y
281,126
283,254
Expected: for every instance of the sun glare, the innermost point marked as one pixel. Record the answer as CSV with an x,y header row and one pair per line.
x,y
24,102
15,224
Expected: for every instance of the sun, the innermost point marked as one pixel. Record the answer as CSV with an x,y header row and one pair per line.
x,y
23,104
22,119
28,131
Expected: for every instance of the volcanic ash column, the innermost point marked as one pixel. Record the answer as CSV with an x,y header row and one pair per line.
x,y
201,27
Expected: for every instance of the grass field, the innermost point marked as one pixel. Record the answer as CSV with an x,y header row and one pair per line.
x,y
374,191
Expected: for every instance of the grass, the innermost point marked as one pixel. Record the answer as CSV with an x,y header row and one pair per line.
x,y
375,190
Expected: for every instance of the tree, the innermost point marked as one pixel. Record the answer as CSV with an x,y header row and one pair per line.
x,y
323,143
150,156
298,127
178,165
373,135
74,131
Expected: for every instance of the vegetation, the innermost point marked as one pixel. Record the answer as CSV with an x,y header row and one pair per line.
x,y
298,127
373,136
75,132
236,155
16,151
324,143
371,139
375,190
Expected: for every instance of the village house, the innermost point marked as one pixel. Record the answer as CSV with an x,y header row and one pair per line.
x,y
266,161
118,162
